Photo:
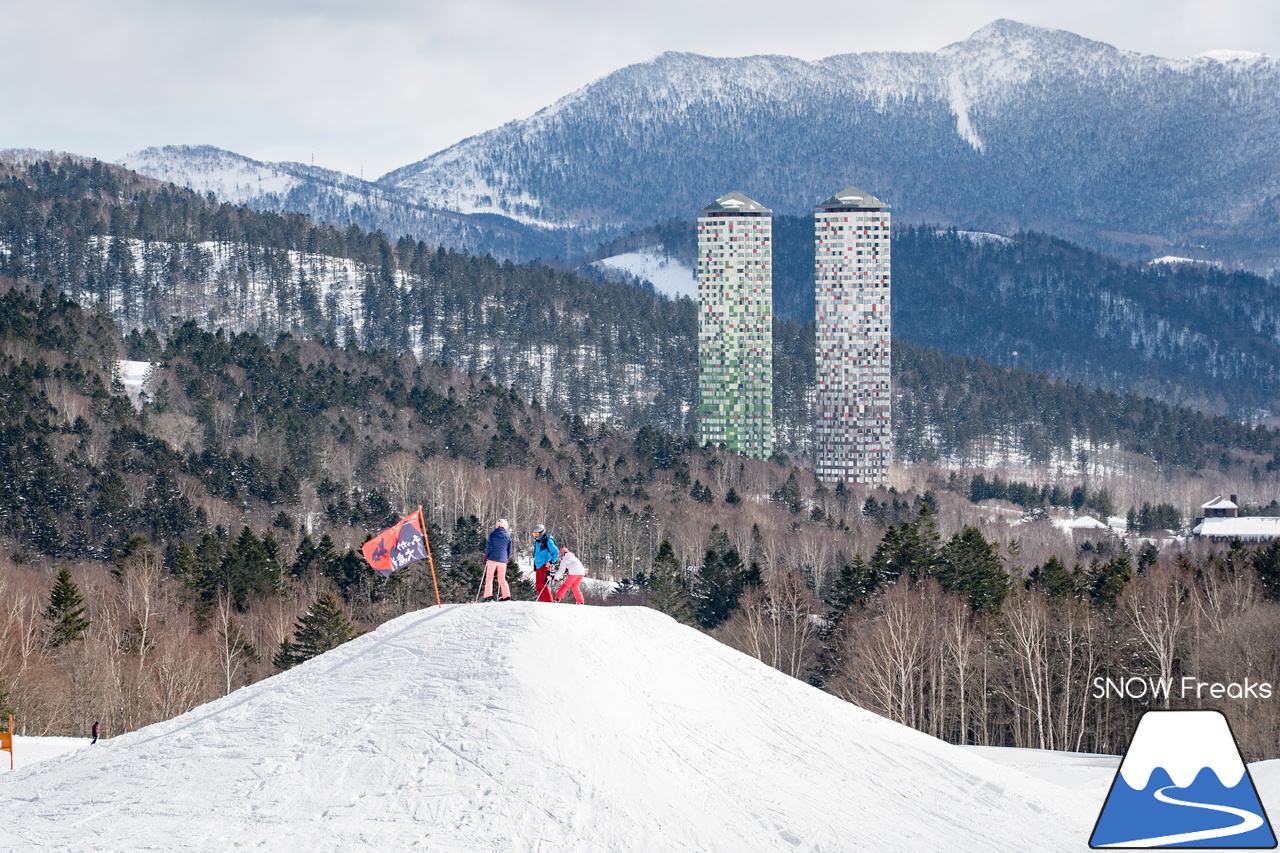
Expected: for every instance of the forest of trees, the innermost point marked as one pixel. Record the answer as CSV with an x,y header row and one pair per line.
x,y
160,554
599,350
161,557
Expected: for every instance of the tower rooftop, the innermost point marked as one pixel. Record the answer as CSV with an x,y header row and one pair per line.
x,y
853,198
735,202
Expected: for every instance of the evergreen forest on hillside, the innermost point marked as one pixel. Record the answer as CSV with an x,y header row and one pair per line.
x,y
154,256
159,555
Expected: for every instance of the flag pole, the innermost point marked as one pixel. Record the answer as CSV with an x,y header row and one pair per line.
x,y
430,561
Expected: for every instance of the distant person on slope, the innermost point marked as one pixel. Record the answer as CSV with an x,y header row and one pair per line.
x,y
497,553
95,733
545,554
574,572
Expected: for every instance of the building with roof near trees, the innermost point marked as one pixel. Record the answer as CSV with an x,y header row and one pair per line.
x,y
735,325
853,404
1222,523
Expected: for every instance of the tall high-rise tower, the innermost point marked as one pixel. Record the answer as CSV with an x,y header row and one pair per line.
x,y
735,325
853,405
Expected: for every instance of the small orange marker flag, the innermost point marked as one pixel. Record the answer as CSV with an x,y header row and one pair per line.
x,y
6,741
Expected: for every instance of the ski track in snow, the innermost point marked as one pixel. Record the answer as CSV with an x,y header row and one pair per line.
x,y
529,727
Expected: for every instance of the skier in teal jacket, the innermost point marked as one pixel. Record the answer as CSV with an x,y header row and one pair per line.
x,y
545,554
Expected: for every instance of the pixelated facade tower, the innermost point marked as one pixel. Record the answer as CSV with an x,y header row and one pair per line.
x,y
735,325
852,406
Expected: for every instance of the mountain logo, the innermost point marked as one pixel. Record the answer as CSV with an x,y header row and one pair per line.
x,y
1183,784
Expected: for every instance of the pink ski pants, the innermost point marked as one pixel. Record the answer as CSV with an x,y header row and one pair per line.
x,y
491,569
572,582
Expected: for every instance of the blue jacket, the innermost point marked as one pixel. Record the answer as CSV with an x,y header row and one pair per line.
x,y
544,551
498,548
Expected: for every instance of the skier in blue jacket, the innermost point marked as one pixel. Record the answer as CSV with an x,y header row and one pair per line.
x,y
545,554
497,553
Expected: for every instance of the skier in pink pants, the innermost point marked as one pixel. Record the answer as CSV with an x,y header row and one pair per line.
x,y
573,578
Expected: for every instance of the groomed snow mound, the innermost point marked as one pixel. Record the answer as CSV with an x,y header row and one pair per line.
x,y
533,728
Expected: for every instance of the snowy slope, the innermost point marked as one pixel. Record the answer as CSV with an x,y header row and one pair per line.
x,y
667,275
533,727
133,376
335,198
33,750
230,177
1087,773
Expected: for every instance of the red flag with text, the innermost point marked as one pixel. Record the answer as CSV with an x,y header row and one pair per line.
x,y
397,546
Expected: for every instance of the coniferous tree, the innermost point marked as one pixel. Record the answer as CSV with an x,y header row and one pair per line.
x,y
719,582
788,494
1147,556
666,591
969,565
855,582
284,656
911,548
65,613
180,561
1053,579
1108,580
1266,562
323,627
461,582
468,539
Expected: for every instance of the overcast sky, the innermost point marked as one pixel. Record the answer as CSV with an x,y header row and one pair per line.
x,y
372,85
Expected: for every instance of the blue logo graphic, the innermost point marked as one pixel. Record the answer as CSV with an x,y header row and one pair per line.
x,y
1183,784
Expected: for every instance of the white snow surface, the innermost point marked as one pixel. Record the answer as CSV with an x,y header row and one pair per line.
x,y
534,728
1086,772
1174,259
231,177
133,376
1249,528
667,275
32,750
1246,56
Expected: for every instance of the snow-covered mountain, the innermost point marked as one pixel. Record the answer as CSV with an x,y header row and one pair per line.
x,y
1014,127
534,727
339,199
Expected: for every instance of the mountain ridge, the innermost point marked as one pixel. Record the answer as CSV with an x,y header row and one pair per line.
x,y
336,198
1033,128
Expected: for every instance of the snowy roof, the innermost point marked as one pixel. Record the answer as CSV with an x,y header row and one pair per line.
x,y
1087,522
1253,528
735,202
852,198
417,735
1219,503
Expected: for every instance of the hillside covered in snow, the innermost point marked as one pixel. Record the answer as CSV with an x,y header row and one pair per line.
x,y
1014,127
336,198
534,727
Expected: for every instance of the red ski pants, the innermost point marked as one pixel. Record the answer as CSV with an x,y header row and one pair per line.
x,y
541,579
572,582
